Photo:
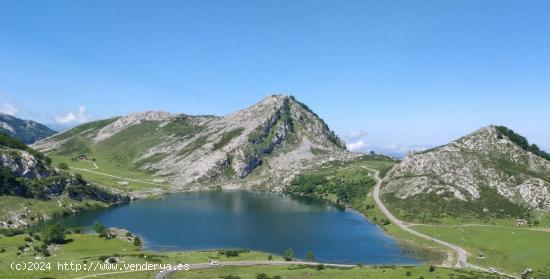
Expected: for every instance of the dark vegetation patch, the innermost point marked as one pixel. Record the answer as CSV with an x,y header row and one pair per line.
x,y
522,142
13,143
348,186
188,149
227,138
430,207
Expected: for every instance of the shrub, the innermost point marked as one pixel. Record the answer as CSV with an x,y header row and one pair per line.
x,y
289,254
137,241
100,229
310,256
233,252
319,267
432,268
63,166
54,234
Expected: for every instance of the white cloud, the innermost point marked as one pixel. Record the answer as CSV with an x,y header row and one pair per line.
x,y
359,145
9,108
7,105
403,148
78,117
355,135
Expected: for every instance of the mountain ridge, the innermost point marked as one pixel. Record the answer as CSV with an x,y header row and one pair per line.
x,y
259,146
27,131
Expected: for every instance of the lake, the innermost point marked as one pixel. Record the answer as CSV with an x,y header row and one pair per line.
x,y
259,221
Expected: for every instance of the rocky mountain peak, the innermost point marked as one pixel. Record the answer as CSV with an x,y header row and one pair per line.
x,y
491,158
276,137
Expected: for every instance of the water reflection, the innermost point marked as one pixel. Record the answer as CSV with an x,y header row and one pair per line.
x,y
254,220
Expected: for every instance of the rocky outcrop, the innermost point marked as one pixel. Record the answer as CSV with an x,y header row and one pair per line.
x,y
460,170
130,120
23,164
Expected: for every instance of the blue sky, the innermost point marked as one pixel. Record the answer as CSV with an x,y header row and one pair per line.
x,y
385,75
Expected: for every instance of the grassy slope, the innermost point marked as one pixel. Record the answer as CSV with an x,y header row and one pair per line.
x,y
365,205
509,249
119,155
83,248
329,273
88,248
35,209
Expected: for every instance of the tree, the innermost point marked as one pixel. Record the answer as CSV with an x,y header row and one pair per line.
x,y
289,254
100,229
310,256
63,166
137,241
54,234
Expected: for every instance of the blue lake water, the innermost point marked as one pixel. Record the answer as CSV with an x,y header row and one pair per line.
x,y
253,220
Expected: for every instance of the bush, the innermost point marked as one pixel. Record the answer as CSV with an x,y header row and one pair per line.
x,y
310,256
63,166
408,274
289,254
54,234
432,268
100,229
270,257
233,252
137,241
319,267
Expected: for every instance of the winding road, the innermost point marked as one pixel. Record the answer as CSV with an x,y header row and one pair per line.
x,y
462,254
462,261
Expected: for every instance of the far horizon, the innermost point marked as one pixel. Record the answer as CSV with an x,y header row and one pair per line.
x,y
385,77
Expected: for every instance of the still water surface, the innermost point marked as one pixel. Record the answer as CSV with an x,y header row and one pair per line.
x,y
253,220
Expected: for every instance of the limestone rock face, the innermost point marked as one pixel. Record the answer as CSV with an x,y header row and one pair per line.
x,y
22,163
130,120
485,158
264,145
